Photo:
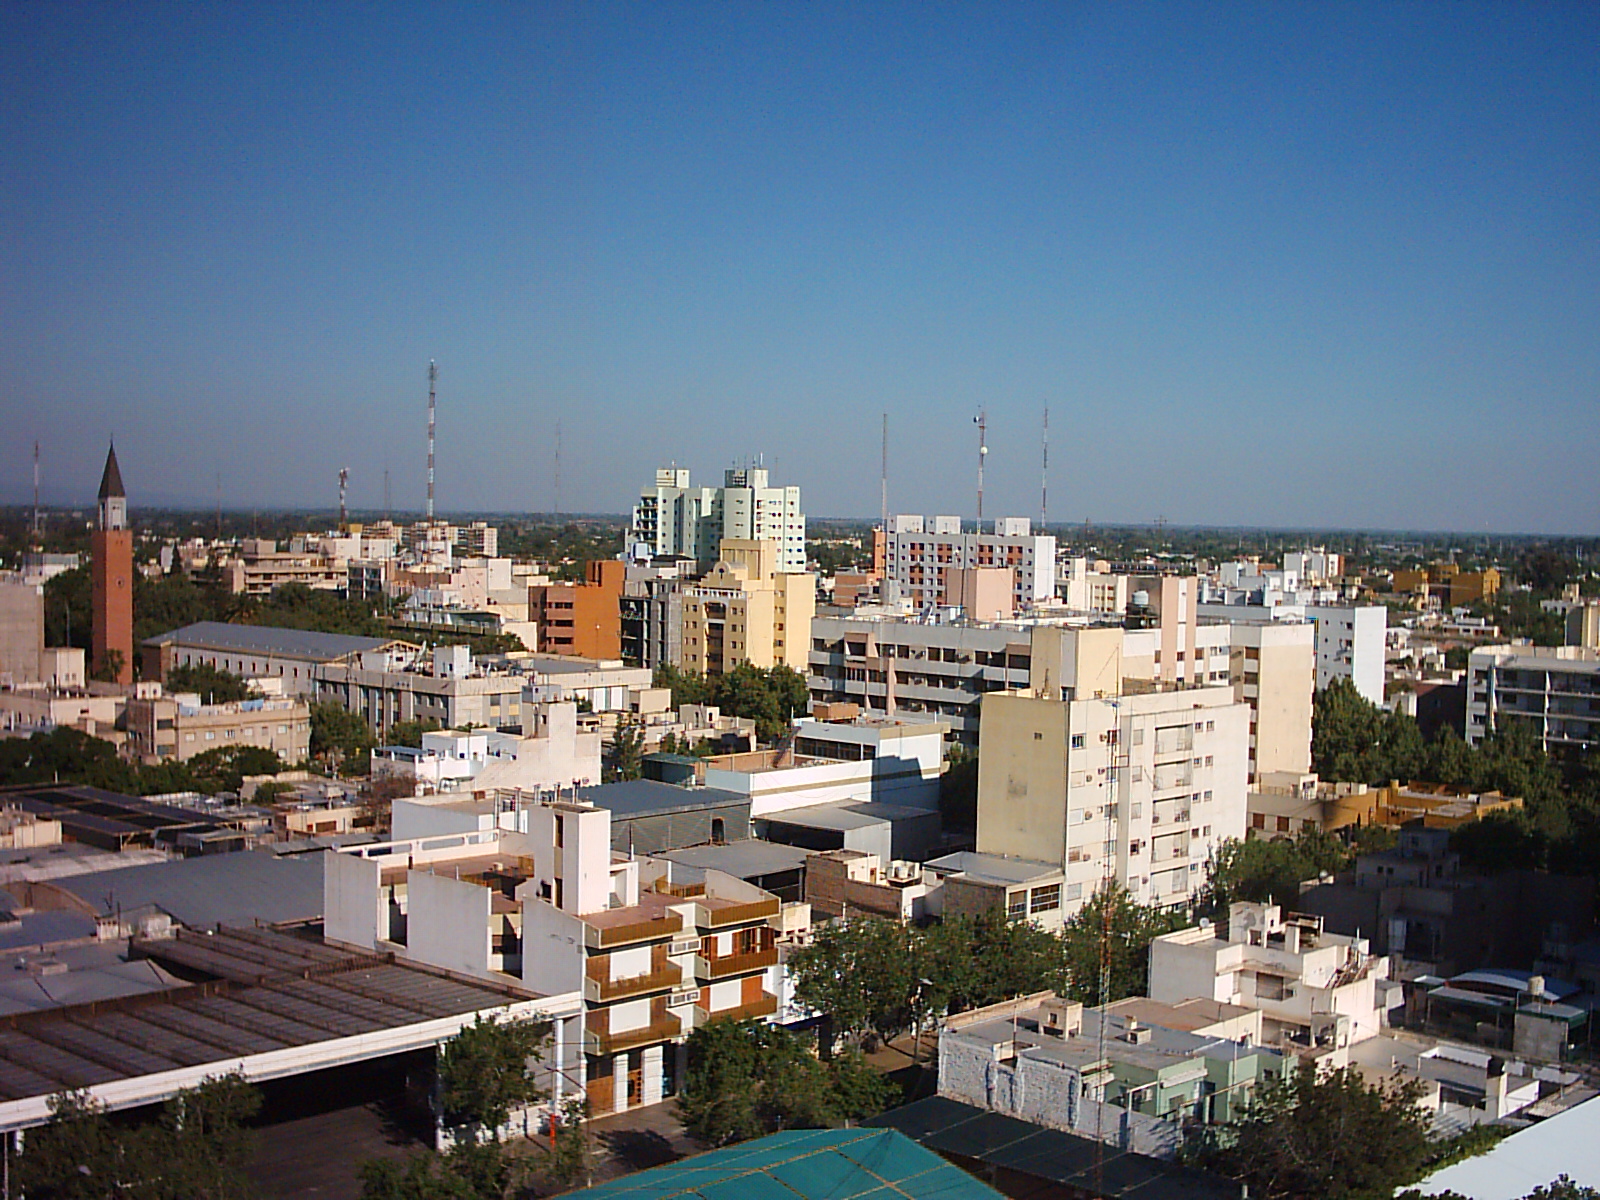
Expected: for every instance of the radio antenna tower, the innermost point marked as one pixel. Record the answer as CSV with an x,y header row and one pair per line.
x,y
884,481
433,379
982,422
344,480
1044,478
36,487
557,497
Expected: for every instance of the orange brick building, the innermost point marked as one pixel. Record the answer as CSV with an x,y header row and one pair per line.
x,y
584,619
111,575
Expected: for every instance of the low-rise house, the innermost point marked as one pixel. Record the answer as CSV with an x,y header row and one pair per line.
x,y
177,728
1314,988
971,883
555,752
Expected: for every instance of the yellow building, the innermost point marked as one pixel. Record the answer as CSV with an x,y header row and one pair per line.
x,y
1471,587
1286,805
745,610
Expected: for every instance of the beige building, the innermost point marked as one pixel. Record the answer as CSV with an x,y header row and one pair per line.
x,y
1138,788
1274,669
1284,804
176,728
21,631
745,610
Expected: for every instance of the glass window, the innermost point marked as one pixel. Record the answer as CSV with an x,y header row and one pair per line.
x,y
1045,899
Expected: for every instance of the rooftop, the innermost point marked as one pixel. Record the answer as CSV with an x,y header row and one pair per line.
x,y
806,1164
992,868
643,797
268,639
862,815
211,889
742,859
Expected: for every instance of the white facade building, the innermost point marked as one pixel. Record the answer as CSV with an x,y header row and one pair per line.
x,y
675,518
556,752
920,554
1555,689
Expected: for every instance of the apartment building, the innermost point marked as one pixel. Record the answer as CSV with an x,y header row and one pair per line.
x,y
1314,988
1136,788
555,752
747,609
1554,690
655,948
1093,587
920,555
675,519
581,618
261,651
176,728
1273,670
1351,640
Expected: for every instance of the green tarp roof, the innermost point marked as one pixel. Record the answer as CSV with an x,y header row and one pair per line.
x,y
807,1164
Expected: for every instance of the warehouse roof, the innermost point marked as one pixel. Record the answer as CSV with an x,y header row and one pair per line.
x,y
268,639
740,859
962,1131
808,1164
647,797
210,889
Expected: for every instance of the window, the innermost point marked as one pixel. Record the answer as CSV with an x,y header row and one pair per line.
x,y
1258,820
1016,904
1283,824
1074,891
1211,726
1077,741
1045,899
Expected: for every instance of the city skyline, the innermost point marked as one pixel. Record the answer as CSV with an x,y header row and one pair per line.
x,y
1266,267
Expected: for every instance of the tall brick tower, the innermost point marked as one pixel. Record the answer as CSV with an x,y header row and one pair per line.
x,y
112,573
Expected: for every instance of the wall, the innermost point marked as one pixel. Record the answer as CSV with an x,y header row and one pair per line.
x,y
353,909
447,922
1022,764
21,631
552,948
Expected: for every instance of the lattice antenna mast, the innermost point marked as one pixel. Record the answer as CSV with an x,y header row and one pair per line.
x,y
558,468
1044,476
1115,760
36,487
884,480
433,379
344,516
982,422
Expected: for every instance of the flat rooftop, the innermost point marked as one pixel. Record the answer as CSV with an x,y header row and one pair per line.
x,y
992,868
860,815
268,640
740,859
647,797
211,889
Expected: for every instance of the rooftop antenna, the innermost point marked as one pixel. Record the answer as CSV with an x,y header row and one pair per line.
x,y
1044,478
388,509
884,481
35,487
344,516
433,379
219,505
982,422
558,468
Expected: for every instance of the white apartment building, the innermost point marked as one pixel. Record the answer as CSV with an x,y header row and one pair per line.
x,y
1350,641
1314,566
556,752
1555,689
1140,788
1093,587
920,554
1313,988
676,519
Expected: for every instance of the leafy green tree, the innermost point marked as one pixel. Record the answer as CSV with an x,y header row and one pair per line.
x,y
466,1171
860,973
338,734
224,769
572,1156
1113,918
958,790
484,1076
409,733
746,1078
215,686
687,687
1324,1134
625,754
1261,870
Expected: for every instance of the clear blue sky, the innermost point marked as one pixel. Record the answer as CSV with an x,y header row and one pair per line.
x,y
1279,263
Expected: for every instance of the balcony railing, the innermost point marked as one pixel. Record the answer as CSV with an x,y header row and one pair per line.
x,y
597,990
764,1007
737,914
598,1038
734,964
606,936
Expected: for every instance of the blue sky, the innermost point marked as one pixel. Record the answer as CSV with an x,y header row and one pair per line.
x,y
1280,264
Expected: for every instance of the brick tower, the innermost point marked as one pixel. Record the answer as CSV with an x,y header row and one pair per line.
x,y
111,545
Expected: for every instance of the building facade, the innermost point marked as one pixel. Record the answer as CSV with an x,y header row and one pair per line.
x,y
921,554
1553,690
676,519
111,577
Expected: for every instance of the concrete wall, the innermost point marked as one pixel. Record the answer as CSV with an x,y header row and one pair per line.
x,y
21,631
1022,764
421,818
353,908
552,948
447,922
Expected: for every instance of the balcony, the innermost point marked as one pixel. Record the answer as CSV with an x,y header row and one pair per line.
x,y
734,964
598,1038
604,936
755,1010
1174,741
739,914
598,991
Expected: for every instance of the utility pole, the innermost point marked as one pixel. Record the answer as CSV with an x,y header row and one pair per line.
x,y
35,488
982,422
433,379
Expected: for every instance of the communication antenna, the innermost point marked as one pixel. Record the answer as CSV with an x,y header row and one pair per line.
x,y
1044,478
344,480
388,509
219,505
558,468
982,422
884,483
433,379
36,487
1116,760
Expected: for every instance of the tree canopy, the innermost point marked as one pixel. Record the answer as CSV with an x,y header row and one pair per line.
x,y
771,697
484,1076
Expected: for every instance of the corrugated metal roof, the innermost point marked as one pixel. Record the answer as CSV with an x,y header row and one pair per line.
x,y
210,889
267,639
1050,1154
808,1164
639,797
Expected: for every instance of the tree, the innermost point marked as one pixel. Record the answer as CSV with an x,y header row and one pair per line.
x,y
338,734
224,769
572,1156
409,733
1263,870
687,687
466,1171
1113,918
483,1074
746,1078
626,752
1324,1134
214,685
958,790
859,972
